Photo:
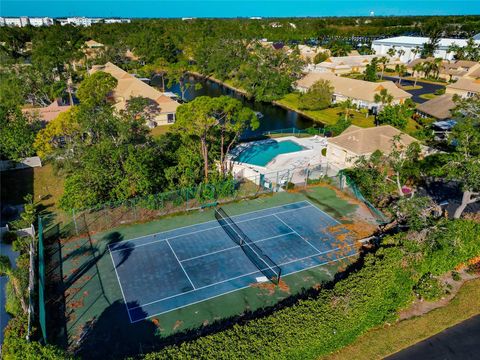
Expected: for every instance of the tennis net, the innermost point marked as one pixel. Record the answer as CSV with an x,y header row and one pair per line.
x,y
266,265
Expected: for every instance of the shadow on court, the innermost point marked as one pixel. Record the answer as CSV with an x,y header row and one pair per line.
x,y
112,336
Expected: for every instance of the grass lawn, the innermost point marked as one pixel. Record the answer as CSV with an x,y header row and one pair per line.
x,y
428,96
411,87
160,130
45,186
330,116
381,342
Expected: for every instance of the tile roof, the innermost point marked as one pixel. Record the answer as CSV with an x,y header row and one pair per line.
x,y
438,107
466,85
365,141
47,113
129,86
352,88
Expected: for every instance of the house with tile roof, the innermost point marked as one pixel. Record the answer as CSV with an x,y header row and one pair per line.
x,y
343,150
348,64
438,108
129,87
361,93
47,113
464,87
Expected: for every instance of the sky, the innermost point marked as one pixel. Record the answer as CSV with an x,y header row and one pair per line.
x,y
235,8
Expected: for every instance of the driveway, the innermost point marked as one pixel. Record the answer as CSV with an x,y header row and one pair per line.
x,y
460,342
427,88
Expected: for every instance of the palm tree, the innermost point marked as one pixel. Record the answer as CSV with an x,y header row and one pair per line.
x,y
400,53
384,61
6,269
384,97
347,106
417,68
392,51
400,69
416,51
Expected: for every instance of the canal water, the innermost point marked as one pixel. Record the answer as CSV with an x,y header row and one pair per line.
x,y
274,117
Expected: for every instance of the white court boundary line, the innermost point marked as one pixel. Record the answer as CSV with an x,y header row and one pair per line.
x,y
240,288
309,204
198,231
179,263
238,277
323,212
235,247
214,221
300,236
121,289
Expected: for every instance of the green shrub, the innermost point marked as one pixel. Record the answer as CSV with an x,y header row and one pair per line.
x,y
324,152
429,288
9,237
15,345
456,276
440,91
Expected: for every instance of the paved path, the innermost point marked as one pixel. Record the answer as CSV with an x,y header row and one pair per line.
x,y
427,88
460,342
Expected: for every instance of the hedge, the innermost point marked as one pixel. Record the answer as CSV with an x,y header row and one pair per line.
x,y
367,298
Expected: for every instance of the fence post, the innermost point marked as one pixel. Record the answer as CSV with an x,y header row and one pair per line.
x,y
41,282
74,221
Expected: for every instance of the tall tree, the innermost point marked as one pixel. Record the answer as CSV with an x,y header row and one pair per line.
x,y
318,97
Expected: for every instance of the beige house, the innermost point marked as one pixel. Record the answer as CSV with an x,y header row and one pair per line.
x,y
450,70
464,87
437,108
343,150
361,93
164,107
348,64
308,53
47,113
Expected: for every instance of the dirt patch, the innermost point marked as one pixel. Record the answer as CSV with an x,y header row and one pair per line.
x,y
177,324
271,287
420,307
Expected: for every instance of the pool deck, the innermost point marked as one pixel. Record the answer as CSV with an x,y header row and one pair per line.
x,y
311,156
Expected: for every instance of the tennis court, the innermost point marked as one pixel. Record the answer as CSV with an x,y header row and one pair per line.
x,y
169,270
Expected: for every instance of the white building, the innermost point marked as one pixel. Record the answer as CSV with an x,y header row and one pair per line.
x,y
41,21
411,47
14,21
117,21
79,21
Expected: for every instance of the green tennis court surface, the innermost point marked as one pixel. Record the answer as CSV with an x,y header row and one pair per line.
x,y
170,270
96,315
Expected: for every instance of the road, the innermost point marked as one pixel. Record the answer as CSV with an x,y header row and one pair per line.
x,y
427,88
460,342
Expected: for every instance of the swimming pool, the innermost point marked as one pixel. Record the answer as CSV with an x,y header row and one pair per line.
x,y
261,153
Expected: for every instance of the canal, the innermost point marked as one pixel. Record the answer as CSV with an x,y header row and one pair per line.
x,y
274,117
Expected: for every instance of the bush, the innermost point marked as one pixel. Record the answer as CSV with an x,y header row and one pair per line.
x,y
368,297
9,237
15,345
456,276
429,288
440,91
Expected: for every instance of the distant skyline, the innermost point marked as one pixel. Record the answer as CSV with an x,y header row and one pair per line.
x,y
235,8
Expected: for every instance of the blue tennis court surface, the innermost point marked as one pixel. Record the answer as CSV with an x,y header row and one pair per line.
x,y
162,272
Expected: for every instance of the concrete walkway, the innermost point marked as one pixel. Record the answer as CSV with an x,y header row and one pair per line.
x,y
460,342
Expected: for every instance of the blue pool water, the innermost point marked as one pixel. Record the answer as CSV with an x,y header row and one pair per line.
x,y
261,154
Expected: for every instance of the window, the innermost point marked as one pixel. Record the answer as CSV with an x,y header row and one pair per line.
x,y
170,118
